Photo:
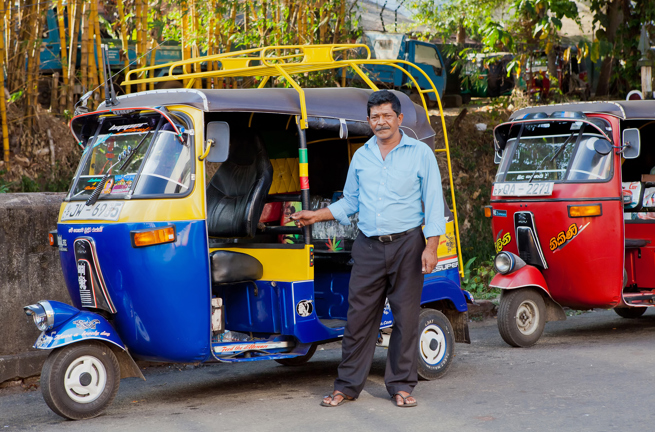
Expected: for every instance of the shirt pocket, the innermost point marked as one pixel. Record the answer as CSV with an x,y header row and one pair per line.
x,y
402,182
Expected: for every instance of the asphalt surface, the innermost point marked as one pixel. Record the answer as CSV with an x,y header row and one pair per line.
x,y
593,372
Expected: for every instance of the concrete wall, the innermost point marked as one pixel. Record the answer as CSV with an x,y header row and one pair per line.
x,y
29,272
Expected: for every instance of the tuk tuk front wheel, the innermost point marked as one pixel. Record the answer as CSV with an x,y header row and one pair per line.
x,y
299,360
436,344
521,317
630,312
80,381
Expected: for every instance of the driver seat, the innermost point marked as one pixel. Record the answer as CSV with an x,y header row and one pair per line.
x,y
236,194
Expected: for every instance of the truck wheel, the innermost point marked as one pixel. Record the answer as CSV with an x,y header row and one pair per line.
x,y
630,312
436,344
80,381
300,360
521,317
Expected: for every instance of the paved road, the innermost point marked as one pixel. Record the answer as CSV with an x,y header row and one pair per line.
x,y
593,372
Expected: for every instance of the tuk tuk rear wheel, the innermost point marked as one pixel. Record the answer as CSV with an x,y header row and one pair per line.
x,y
521,317
80,381
436,344
630,312
299,360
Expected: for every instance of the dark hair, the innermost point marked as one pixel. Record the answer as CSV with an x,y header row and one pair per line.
x,y
382,97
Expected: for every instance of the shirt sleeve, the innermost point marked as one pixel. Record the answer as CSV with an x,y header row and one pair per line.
x,y
349,204
432,196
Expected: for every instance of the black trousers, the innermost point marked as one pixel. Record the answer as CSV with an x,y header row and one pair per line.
x,y
383,270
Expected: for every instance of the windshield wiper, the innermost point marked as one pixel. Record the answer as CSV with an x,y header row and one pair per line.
x,y
557,153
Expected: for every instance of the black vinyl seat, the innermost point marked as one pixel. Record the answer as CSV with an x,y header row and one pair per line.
x,y
234,267
236,194
635,243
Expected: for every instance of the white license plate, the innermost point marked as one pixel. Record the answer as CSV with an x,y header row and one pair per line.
x,y
524,189
104,210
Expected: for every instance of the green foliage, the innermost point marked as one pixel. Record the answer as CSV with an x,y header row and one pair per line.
x,y
476,280
29,185
5,186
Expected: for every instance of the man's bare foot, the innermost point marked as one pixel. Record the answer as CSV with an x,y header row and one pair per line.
x,y
336,398
404,398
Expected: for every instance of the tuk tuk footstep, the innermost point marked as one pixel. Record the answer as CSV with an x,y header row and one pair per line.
x,y
345,399
404,398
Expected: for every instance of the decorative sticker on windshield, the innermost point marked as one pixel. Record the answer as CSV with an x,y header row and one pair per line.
x,y
123,184
503,241
137,127
565,237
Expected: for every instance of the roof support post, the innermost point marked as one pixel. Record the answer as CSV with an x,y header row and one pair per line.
x,y
303,176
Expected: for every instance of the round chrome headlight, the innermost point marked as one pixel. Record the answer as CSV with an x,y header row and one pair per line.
x,y
42,314
504,263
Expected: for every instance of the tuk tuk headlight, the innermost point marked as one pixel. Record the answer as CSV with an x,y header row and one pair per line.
x,y
42,313
504,262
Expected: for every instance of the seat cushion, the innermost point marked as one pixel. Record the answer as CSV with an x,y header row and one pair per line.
x,y
231,267
635,243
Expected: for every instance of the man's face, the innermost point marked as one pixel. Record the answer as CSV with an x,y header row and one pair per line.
x,y
384,122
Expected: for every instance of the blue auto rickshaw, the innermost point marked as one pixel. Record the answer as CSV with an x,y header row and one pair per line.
x,y
174,238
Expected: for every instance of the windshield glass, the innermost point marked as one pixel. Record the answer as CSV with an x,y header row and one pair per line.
x,y
554,151
156,160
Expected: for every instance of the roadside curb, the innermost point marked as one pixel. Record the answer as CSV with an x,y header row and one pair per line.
x,y
20,366
483,309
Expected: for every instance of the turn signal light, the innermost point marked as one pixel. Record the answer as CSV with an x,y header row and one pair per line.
x,y
152,237
52,238
487,211
585,210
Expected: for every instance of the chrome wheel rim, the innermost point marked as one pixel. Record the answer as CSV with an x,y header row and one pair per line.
x,y
85,379
527,317
432,345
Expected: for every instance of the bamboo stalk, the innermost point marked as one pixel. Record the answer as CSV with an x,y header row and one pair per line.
x,y
63,43
211,34
144,36
84,51
185,36
138,47
124,45
195,26
3,102
32,19
91,64
72,53
98,56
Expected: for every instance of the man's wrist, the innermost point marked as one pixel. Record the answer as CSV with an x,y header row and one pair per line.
x,y
432,244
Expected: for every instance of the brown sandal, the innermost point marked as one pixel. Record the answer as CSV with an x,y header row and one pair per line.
x,y
405,403
332,396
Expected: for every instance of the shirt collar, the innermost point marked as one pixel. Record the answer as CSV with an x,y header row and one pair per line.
x,y
374,141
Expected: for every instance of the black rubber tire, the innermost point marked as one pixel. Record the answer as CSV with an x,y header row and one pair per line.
x,y
630,312
428,319
300,360
510,302
54,371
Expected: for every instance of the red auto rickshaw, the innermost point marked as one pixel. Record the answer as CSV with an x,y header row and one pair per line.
x,y
573,214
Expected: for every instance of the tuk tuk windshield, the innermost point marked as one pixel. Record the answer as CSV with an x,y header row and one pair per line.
x,y
154,158
554,151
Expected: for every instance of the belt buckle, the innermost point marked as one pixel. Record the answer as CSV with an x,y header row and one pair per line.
x,y
381,238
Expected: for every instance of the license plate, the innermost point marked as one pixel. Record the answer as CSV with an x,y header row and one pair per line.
x,y
110,210
524,189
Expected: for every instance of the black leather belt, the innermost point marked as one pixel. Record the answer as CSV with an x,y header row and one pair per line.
x,y
391,237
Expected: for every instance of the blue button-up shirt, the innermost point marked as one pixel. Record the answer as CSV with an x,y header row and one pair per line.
x,y
387,193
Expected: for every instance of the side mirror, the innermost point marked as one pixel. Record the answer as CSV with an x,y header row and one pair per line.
x,y
602,147
219,134
631,143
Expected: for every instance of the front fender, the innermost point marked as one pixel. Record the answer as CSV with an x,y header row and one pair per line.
x,y
523,277
80,327
530,276
441,288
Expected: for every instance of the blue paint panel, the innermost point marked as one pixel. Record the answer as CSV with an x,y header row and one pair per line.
x,y
162,292
247,312
83,326
331,293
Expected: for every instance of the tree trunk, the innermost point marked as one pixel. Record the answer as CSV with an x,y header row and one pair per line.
x,y
3,106
615,18
461,34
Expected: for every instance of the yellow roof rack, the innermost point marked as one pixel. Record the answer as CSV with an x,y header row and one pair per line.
x,y
287,60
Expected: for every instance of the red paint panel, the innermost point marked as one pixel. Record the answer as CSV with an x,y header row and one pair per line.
x,y
526,276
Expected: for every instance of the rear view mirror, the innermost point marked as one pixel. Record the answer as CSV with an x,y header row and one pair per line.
x,y
219,134
631,143
602,147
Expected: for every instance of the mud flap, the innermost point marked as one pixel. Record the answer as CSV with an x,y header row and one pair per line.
x,y
554,311
129,368
460,322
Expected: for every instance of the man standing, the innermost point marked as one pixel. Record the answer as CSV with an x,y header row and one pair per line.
x,y
391,179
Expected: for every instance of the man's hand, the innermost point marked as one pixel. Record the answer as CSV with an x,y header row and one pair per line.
x,y
304,218
429,258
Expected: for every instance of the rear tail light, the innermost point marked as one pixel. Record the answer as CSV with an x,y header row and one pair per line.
x,y
585,210
52,238
487,211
